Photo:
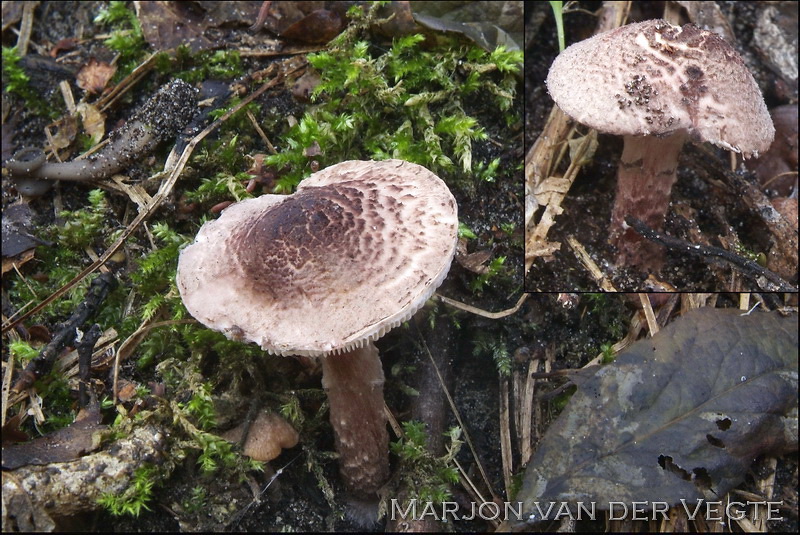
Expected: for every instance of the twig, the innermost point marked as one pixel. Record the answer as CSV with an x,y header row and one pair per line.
x,y
505,435
85,349
42,364
237,518
25,28
596,273
479,311
107,99
748,267
652,324
467,438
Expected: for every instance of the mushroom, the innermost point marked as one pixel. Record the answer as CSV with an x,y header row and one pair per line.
x,y
657,85
354,252
267,436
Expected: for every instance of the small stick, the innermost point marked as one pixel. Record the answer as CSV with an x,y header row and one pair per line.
x,y
479,311
505,436
590,265
773,282
85,349
652,325
43,363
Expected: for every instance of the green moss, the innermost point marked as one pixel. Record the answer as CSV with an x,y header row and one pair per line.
x,y
409,102
427,477
58,406
59,262
135,497
83,227
201,407
22,351
495,268
196,500
17,82
201,66
485,343
561,400
608,353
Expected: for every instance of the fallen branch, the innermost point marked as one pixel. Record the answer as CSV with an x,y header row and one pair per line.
x,y
766,279
66,334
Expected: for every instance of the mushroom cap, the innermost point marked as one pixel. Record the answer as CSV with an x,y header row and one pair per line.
x,y
354,252
655,78
268,435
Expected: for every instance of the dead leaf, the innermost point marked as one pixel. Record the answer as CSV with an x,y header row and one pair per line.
x,y
94,122
18,236
95,75
66,130
166,25
487,24
67,444
678,416
319,26
475,262
64,44
304,86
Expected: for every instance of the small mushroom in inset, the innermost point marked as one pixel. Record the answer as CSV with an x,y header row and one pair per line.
x,y
354,252
657,85
267,436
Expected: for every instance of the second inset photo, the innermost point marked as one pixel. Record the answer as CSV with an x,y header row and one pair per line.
x,y
661,147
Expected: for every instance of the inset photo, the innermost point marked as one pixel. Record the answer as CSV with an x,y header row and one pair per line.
x,y
661,147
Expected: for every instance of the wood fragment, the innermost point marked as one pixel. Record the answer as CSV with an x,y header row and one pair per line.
x,y
652,325
590,265
483,313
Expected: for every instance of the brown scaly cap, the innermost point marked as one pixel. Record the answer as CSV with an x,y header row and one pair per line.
x,y
655,78
353,253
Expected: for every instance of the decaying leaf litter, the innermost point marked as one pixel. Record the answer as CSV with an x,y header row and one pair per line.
x,y
547,185
679,416
483,213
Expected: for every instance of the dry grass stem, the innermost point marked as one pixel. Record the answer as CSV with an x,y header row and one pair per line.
x,y
505,436
652,324
479,311
590,265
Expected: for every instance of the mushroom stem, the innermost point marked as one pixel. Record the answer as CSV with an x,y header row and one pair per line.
x,y
647,171
354,384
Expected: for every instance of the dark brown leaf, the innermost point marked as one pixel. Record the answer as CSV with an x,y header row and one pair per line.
x,y
487,24
67,444
166,25
319,26
18,230
678,416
